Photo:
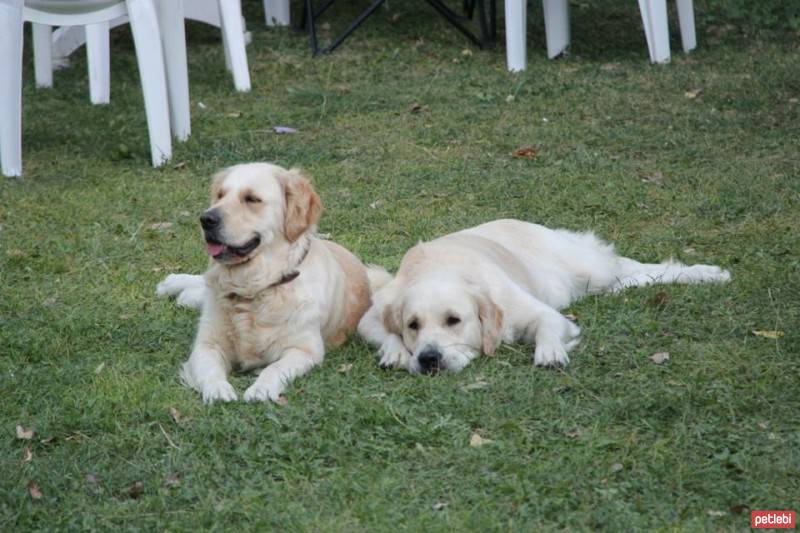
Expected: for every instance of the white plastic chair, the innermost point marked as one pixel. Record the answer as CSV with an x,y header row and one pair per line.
x,y
224,14
556,23
276,12
94,14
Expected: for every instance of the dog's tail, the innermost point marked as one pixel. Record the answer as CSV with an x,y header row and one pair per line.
x,y
378,278
636,274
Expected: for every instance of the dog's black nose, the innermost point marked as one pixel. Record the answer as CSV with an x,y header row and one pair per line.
x,y
210,219
430,360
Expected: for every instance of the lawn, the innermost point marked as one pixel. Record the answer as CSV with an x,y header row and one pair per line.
x,y
409,132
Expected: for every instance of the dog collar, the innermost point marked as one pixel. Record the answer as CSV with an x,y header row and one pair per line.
x,y
294,274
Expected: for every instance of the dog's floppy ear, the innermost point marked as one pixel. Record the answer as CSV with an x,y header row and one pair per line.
x,y
392,318
216,182
303,205
491,317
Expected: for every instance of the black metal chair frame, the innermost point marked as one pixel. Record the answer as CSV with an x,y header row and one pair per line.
x,y
488,28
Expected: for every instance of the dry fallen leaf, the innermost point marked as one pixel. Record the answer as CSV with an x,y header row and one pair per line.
x,y
180,165
768,334
438,506
659,300
282,400
282,130
24,433
739,509
693,93
160,226
575,433
793,100
91,479
660,358
376,204
136,490
763,425
656,178
48,440
173,480
525,153
15,253
233,115
27,454
571,317
466,52
616,467
175,415
34,490
716,513
99,368
347,367
415,107
476,440
477,384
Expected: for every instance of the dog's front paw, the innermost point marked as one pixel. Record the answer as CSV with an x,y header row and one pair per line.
x,y
264,389
550,353
218,391
393,354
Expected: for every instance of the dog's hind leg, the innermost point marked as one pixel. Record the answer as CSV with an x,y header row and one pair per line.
x,y
636,274
189,289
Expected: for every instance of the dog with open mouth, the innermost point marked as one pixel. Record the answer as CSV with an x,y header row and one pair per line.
x,y
463,294
275,296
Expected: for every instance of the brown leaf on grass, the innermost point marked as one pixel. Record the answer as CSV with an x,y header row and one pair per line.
x,y
763,425
136,490
48,440
573,434
656,178
180,165
415,107
236,114
659,300
768,334
660,358
175,415
282,401
24,433
345,368
438,506
793,100
476,440
160,226
528,152
34,490
739,509
15,253
714,513
27,454
616,467
571,317
173,480
692,93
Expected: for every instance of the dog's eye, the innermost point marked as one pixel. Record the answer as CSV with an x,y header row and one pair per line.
x,y
413,325
220,194
250,199
453,320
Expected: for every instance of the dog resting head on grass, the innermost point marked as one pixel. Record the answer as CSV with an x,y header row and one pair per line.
x,y
461,295
275,296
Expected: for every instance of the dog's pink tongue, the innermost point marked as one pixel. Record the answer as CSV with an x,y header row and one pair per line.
x,y
214,248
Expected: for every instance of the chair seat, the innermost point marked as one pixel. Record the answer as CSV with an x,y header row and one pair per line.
x,y
70,7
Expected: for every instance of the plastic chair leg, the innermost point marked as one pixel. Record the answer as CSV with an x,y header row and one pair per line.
x,y
11,88
150,56
686,20
656,29
233,34
173,39
276,12
556,26
43,54
516,53
98,57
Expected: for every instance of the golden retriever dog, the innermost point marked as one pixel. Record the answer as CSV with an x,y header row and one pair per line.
x,y
275,296
460,295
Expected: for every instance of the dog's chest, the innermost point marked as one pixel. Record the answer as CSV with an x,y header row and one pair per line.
x,y
261,329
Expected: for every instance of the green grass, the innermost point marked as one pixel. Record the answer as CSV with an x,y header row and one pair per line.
x,y
90,357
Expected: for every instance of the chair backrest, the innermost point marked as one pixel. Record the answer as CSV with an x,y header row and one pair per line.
x,y
70,7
